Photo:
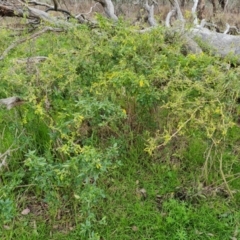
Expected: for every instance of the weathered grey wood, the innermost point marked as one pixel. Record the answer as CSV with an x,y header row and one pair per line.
x,y
11,102
108,8
221,44
150,10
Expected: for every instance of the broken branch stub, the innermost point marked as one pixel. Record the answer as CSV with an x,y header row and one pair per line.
x,y
220,43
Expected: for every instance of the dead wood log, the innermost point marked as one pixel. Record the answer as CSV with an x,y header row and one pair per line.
x,y
10,10
220,43
11,102
24,11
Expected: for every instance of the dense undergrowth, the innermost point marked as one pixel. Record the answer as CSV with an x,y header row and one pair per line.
x,y
122,136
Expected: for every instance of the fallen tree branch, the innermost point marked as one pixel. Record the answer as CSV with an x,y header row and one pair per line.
x,y
150,10
221,44
36,13
179,13
169,16
37,3
194,9
10,11
227,29
19,41
11,102
231,29
24,11
175,11
108,8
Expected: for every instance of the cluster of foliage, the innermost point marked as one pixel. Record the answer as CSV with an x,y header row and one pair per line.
x,y
97,92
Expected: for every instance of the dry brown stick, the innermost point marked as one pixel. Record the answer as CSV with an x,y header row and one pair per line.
x,y
22,40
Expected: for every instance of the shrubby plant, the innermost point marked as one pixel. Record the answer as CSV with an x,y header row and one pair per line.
x,y
96,90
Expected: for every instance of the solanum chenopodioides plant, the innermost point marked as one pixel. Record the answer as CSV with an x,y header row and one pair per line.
x,y
196,103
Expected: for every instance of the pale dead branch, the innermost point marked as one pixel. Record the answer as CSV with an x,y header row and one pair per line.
x,y
169,16
179,13
227,29
231,29
11,102
38,3
108,8
194,9
221,44
150,10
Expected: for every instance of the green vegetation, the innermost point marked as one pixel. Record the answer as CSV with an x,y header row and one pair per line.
x,y
122,136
